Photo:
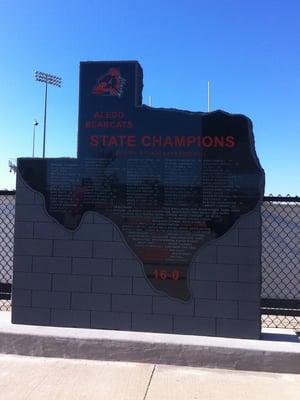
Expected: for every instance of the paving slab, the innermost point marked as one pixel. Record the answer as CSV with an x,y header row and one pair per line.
x,y
31,378
171,383
199,351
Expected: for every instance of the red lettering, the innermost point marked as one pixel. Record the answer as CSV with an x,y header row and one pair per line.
x,y
159,141
230,141
180,141
94,140
156,140
219,141
131,141
207,141
146,142
191,140
162,274
168,141
109,115
103,138
112,141
122,139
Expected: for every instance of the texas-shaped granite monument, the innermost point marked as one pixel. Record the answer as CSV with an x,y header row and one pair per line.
x,y
170,180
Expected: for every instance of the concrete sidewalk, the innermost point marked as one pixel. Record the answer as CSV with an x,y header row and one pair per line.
x,y
37,378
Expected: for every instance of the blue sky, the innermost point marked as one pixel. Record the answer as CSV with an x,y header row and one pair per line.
x,y
250,51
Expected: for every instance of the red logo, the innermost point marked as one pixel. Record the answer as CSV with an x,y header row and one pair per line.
x,y
110,84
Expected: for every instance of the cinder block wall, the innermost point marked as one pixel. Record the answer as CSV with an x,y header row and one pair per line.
x,y
91,279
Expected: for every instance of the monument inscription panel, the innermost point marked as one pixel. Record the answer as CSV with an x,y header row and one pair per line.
x,y
170,180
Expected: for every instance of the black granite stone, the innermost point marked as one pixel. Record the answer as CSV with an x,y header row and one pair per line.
x,y
171,180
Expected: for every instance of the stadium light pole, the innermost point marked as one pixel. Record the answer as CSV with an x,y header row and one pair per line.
x,y
208,96
35,124
48,79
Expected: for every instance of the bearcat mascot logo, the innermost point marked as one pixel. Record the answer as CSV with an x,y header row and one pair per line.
x,y
110,84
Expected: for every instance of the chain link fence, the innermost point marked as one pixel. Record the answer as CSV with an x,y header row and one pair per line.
x,y
7,216
281,262
280,258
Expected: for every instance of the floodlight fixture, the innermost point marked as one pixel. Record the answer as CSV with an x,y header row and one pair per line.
x,y
48,79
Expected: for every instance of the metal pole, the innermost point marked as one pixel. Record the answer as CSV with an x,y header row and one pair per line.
x,y
35,123
208,96
45,118
33,140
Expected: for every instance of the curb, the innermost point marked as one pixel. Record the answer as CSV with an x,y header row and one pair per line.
x,y
181,350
